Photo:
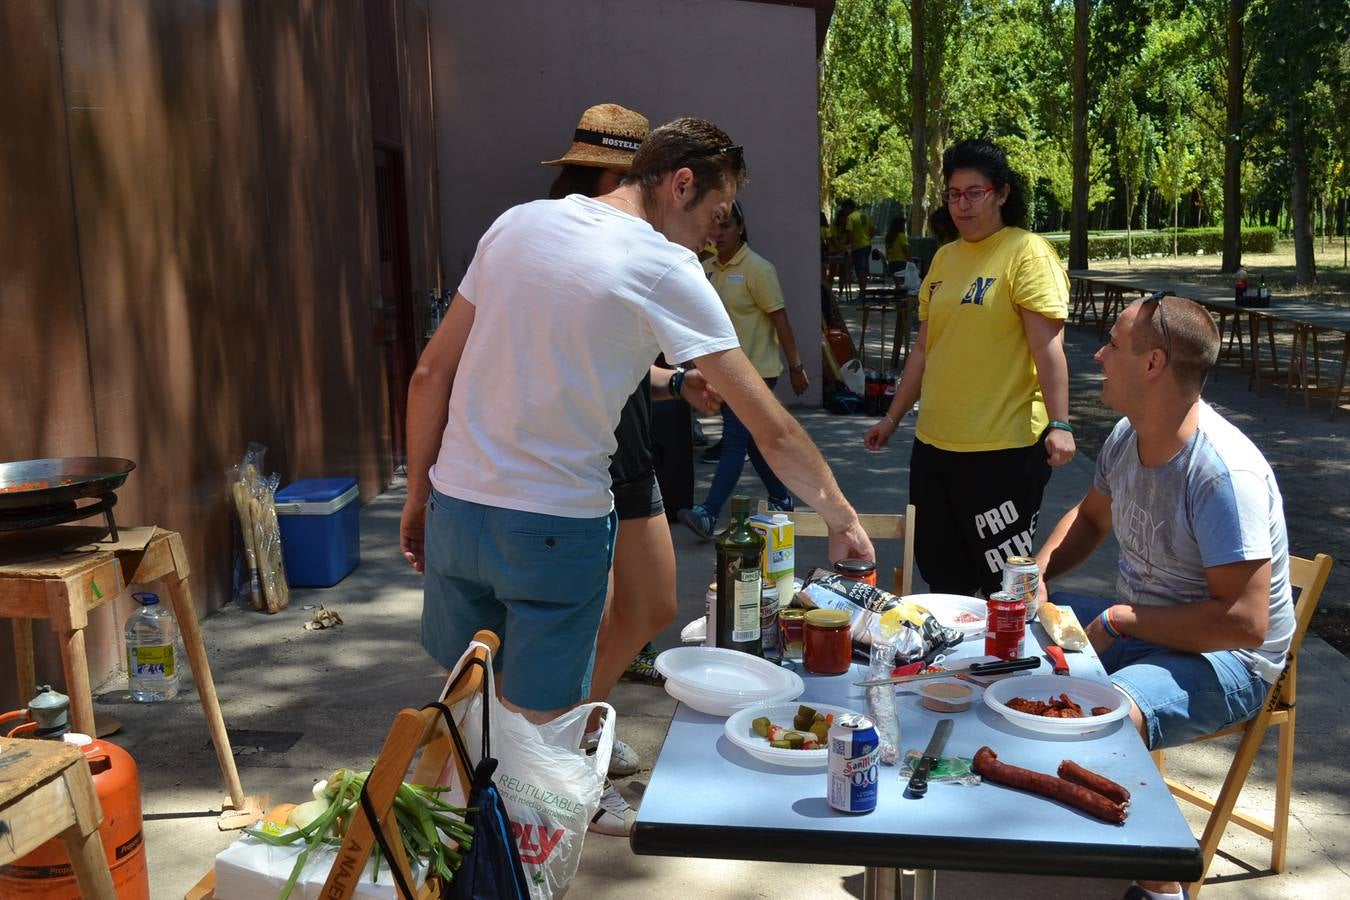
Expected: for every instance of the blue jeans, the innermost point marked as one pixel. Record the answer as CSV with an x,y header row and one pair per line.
x,y
736,441
1183,696
538,581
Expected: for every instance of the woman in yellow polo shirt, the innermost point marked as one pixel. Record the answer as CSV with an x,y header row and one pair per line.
x,y
748,286
989,365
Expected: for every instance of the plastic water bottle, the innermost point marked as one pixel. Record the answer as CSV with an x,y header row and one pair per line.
x,y
152,639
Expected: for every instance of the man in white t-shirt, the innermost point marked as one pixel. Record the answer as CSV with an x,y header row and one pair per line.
x,y
513,406
1203,615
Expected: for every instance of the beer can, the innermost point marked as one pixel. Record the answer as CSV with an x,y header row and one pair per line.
x,y
1006,627
854,764
1022,578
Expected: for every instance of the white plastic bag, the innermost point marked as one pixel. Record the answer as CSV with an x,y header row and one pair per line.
x,y
912,279
551,786
855,379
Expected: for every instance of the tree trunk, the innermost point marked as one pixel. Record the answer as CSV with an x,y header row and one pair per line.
x,y
1175,204
1129,215
1232,142
918,128
1078,214
1305,264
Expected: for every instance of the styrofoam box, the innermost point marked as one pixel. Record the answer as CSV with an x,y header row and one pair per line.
x,y
249,869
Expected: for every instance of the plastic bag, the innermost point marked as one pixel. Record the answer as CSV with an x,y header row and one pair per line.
x,y
855,379
254,499
881,698
491,868
955,769
866,604
912,279
550,786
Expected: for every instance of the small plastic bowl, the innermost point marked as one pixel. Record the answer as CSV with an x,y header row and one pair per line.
x,y
946,696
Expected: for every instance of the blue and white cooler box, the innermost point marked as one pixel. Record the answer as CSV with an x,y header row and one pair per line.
x,y
320,531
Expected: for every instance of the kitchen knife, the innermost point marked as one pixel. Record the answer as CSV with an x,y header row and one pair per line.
x,y
918,782
1056,657
997,667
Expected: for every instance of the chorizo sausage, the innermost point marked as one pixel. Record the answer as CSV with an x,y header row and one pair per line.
x,y
1071,771
987,766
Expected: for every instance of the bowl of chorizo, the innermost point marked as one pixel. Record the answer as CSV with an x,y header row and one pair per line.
x,y
1057,704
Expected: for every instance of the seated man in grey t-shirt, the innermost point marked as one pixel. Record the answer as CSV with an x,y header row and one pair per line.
x,y
1202,617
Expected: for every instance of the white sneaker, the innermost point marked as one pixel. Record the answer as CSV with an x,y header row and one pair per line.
x,y
623,760
614,817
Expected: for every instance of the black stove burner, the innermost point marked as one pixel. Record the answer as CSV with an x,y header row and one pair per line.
x,y
31,517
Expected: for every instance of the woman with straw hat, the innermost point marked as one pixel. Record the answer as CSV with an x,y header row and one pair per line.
x,y
641,601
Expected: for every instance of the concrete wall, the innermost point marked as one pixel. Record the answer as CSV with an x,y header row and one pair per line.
x,y
188,262
512,77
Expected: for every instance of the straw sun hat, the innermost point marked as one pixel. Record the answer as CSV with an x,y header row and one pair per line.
x,y
606,137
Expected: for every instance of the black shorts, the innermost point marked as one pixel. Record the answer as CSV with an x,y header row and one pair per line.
x,y
973,511
632,473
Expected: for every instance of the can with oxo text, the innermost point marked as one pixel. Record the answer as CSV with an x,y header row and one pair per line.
x,y
854,764
1022,578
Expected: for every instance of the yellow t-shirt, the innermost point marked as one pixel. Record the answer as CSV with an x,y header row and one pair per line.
x,y
898,250
859,230
980,386
748,286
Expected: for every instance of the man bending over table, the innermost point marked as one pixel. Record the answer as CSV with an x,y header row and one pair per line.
x,y
1202,616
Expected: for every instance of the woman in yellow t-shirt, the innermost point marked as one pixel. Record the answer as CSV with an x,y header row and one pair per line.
x,y
748,286
989,365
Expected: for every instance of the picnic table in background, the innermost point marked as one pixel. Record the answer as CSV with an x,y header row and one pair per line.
x,y
1308,320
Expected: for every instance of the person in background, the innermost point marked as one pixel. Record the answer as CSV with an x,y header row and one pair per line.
x,y
897,246
641,599
856,229
989,365
1203,613
563,307
748,286
941,224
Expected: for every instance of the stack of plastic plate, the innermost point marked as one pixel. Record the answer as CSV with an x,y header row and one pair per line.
x,y
719,682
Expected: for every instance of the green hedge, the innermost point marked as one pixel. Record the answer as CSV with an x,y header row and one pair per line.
x,y
1190,242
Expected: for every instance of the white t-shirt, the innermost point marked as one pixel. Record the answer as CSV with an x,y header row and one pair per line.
x,y
1214,502
573,300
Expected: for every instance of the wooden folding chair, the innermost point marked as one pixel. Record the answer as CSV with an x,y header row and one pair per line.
x,y
413,730
1307,577
878,526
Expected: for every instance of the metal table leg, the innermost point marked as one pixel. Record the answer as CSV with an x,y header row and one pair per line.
x,y
925,884
881,884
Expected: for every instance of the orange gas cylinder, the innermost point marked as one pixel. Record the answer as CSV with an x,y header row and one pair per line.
x,y
46,872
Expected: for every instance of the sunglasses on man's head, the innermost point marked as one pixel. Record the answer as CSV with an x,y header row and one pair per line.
x,y
1156,298
736,150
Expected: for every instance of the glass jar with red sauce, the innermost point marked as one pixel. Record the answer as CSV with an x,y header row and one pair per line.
x,y
863,570
827,646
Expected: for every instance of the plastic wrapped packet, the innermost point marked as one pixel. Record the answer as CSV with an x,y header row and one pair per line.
x,y
954,769
881,698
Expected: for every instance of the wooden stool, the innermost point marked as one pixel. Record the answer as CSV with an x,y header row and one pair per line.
x,y
45,791
62,587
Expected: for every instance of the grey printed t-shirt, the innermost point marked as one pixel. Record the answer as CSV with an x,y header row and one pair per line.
x,y
1215,502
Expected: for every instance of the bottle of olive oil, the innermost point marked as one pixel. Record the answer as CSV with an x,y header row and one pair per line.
x,y
739,582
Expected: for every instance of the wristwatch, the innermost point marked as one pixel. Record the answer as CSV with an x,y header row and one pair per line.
x,y
799,367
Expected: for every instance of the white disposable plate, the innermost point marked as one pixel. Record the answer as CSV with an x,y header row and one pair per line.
x,y
720,706
728,674
739,732
946,608
1086,692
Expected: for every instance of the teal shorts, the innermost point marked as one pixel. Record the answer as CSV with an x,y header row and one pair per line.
x,y
537,581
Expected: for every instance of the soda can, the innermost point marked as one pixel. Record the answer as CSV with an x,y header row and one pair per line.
x,y
854,764
1006,626
1022,578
